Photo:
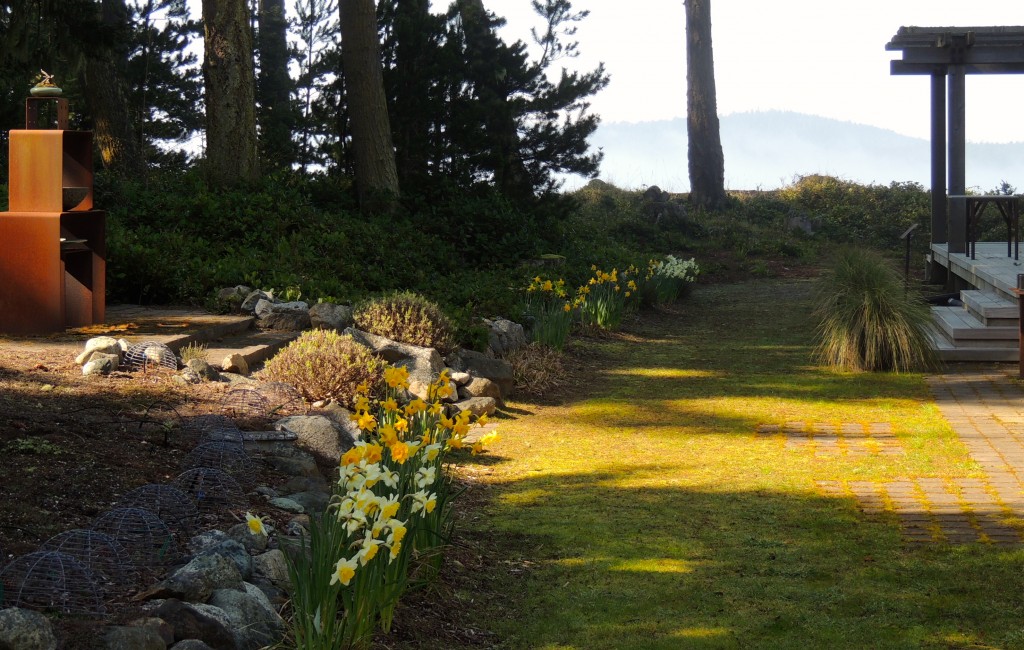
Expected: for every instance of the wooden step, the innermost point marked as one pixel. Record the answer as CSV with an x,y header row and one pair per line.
x,y
963,329
990,308
946,351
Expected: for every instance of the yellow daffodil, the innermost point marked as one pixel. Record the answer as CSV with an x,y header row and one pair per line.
x,y
390,405
344,571
352,456
489,438
397,376
369,549
424,501
567,307
363,388
256,526
362,403
478,448
482,420
389,508
435,408
388,434
367,422
431,451
399,452
372,453
455,442
396,549
425,477
547,286
398,531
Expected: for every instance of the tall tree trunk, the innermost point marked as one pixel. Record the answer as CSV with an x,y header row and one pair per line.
x,y
106,93
372,147
231,147
485,72
704,148
276,113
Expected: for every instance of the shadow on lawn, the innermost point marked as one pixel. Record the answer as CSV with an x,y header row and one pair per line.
x,y
580,563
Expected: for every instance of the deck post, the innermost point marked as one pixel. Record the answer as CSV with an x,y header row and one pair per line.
x,y
957,144
940,233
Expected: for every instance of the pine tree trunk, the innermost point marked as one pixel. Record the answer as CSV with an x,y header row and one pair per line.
x,y
106,93
372,147
231,147
276,114
704,149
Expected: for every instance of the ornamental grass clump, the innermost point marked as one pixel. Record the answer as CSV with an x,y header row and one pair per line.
x,y
536,368
866,319
322,364
548,312
406,317
389,517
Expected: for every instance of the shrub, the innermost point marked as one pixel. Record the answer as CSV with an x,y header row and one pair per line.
x,y
194,350
536,368
408,318
867,321
322,364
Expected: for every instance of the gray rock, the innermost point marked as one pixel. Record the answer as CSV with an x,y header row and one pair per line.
x,y
191,621
161,626
190,644
241,534
304,484
255,621
476,405
249,304
273,566
206,540
104,344
187,378
100,363
481,387
235,551
203,369
24,629
196,580
267,491
424,364
233,297
329,316
133,638
343,418
318,434
480,365
294,465
504,336
285,321
288,505
266,307
311,501
461,378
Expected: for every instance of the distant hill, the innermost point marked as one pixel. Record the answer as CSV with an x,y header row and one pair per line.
x,y
768,149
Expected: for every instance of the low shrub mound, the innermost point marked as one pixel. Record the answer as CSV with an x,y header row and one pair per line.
x,y
322,364
866,318
408,318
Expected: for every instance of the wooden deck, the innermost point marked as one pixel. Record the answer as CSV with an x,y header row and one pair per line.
x,y
986,326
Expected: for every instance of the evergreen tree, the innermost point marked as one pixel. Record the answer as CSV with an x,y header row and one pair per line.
x,y
276,115
164,78
318,57
704,143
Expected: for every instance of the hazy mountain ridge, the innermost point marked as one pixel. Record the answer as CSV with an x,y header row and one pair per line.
x,y
768,149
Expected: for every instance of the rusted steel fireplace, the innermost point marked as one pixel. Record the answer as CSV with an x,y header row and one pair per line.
x,y
52,241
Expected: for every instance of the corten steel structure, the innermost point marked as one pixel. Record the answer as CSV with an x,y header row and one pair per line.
x,y
948,54
52,243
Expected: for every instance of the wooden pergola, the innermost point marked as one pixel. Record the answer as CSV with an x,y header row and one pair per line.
x,y
949,54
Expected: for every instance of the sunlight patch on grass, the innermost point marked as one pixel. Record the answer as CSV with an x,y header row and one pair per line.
x,y
685,373
526,498
655,565
700,633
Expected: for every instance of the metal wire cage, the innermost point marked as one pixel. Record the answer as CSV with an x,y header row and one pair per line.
x,y
282,398
214,428
150,355
174,507
104,557
214,490
226,456
145,537
50,581
245,404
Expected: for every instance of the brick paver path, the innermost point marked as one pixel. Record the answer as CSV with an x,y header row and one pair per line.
x,y
986,410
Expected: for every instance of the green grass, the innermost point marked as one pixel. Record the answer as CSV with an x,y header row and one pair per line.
x,y
647,514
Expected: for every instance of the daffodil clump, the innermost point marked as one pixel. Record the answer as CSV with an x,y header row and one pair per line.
x,y
607,296
390,508
671,278
549,311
